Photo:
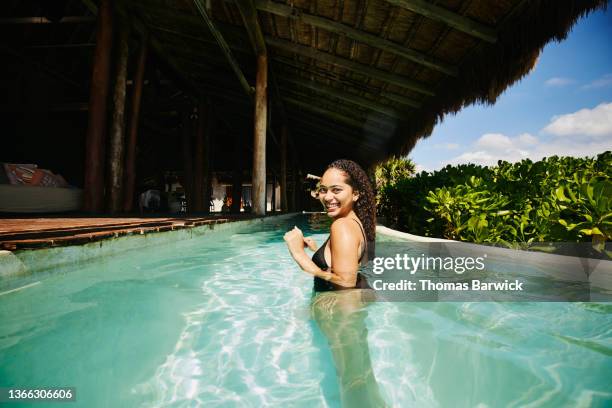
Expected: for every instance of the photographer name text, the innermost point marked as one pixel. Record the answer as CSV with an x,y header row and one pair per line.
x,y
429,285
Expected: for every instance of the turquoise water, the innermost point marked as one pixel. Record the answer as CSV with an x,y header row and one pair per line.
x,y
232,322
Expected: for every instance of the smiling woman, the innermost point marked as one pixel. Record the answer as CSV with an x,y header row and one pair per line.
x,y
346,194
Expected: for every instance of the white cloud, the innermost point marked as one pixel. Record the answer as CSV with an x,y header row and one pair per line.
x,y
585,123
535,151
525,139
558,81
588,128
494,141
446,146
491,147
602,82
489,158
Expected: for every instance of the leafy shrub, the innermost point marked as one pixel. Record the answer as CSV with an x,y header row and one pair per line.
x,y
555,199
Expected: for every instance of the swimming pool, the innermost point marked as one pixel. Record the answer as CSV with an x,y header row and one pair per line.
x,y
229,320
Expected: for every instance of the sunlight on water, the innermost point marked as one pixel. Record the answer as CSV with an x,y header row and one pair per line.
x,y
231,321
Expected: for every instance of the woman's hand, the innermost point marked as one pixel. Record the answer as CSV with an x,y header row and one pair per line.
x,y
296,242
310,243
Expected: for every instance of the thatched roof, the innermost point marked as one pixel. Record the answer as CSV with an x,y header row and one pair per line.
x,y
362,79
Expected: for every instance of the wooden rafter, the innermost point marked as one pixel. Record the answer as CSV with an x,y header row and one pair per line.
x,y
249,17
224,47
288,64
445,16
45,20
338,133
342,95
376,120
358,35
350,65
351,122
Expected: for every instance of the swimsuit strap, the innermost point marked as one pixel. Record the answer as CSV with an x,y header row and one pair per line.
x,y
365,239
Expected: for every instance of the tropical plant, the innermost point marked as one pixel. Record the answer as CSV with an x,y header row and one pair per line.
x,y
554,199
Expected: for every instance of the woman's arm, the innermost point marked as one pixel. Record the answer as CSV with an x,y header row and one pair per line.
x,y
344,245
344,254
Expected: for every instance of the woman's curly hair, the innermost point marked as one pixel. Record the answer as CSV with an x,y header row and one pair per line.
x,y
365,206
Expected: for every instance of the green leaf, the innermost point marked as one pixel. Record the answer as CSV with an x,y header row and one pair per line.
x,y
560,194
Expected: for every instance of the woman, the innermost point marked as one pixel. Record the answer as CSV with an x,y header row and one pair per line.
x,y
346,194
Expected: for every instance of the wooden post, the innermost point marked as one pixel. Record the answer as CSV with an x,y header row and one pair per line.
x,y
283,165
198,161
96,128
273,200
259,142
299,195
186,137
132,137
206,170
292,202
237,176
115,157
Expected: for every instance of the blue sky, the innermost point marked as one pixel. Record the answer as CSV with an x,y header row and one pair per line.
x,y
563,107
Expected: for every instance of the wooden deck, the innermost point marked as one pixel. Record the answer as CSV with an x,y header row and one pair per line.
x,y
32,233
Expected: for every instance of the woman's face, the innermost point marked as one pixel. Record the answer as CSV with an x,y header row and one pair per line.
x,y
336,196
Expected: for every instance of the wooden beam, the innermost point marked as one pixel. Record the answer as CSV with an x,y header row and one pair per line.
x,y
357,67
338,137
224,47
186,147
45,20
280,60
302,68
49,46
207,146
404,100
445,16
350,122
117,131
360,101
198,160
93,197
342,95
358,35
132,137
283,168
378,121
259,142
249,17
237,161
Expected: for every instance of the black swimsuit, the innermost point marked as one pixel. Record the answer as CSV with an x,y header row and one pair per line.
x,y
321,285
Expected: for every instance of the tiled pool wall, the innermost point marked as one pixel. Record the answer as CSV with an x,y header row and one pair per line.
x,y
14,266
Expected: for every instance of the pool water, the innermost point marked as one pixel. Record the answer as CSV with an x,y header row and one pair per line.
x,y
231,321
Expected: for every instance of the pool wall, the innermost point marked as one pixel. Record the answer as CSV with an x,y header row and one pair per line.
x,y
559,267
14,266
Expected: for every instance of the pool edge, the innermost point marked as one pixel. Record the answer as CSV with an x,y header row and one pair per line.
x,y
27,262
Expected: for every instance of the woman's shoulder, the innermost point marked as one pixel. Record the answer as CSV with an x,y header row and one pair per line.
x,y
345,226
